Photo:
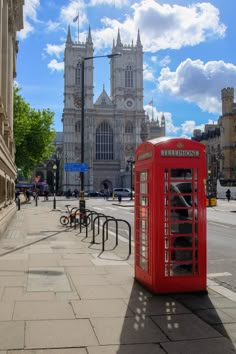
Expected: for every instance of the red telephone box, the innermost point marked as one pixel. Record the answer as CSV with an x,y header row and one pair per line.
x,y
170,215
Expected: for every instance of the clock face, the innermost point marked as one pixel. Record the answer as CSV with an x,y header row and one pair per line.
x,y
129,103
77,101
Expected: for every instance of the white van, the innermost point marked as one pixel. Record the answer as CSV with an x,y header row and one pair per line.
x,y
123,192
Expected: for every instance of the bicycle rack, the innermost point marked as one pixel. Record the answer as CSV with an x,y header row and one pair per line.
x,y
100,215
103,234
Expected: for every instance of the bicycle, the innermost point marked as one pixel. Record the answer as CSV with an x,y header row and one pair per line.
x,y
83,219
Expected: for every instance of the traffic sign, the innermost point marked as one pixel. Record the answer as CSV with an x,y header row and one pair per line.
x,y
75,167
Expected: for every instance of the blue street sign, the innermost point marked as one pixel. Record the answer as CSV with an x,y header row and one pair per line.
x,y
75,167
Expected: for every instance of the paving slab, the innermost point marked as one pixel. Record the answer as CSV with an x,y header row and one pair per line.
x,y
127,349
59,334
227,330
126,331
101,308
49,351
12,280
185,327
89,279
102,292
19,293
48,279
216,316
38,310
6,310
203,346
12,335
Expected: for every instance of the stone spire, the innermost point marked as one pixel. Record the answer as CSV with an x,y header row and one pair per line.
x,y
139,44
118,41
68,39
89,38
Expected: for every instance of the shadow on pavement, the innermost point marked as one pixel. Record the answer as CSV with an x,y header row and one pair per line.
x,y
177,324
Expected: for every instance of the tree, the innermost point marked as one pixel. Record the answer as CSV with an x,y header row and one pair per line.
x,y
33,134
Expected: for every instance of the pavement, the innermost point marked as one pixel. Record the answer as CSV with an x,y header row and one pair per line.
x,y
60,295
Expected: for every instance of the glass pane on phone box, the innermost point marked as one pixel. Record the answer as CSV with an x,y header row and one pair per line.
x,y
143,176
143,237
181,241
181,173
143,188
143,200
181,269
143,250
143,263
179,214
182,255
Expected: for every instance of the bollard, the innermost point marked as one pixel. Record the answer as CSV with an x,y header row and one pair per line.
x,y
36,200
18,203
54,203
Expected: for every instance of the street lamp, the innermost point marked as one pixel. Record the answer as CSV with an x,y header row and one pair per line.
x,y
58,161
54,185
131,162
66,170
209,187
82,205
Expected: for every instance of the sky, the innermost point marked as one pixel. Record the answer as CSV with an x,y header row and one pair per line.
x,y
188,53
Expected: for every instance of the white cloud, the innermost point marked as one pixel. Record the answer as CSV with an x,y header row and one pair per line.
x,y
116,3
30,15
148,74
165,61
164,26
194,81
75,7
52,26
188,127
53,49
55,65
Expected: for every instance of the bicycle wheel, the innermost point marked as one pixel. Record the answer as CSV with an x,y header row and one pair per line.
x,y
64,220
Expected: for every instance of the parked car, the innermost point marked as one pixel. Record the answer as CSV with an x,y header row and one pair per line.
x,y
94,193
123,192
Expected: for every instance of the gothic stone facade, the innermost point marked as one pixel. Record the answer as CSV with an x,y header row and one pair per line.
x,y
114,125
220,140
11,21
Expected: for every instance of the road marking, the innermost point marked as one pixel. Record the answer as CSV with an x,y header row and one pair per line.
x,y
216,275
221,225
98,208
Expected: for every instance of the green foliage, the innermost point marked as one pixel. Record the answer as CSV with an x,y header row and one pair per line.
x,y
33,134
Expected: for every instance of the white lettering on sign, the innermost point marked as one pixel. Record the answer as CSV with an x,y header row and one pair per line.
x,y
180,153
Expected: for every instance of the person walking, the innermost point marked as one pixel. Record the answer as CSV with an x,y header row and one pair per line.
x,y
228,194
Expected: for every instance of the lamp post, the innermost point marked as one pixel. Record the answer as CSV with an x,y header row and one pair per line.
x,y
209,187
131,162
66,171
54,185
58,160
82,119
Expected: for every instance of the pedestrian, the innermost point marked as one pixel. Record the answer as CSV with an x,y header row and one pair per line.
x,y
119,198
228,194
27,195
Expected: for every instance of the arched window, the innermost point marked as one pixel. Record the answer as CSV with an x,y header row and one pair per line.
x,y
78,74
129,128
128,76
77,126
104,142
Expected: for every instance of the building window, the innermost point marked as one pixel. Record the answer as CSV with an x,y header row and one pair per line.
x,y
78,74
104,142
129,128
129,76
77,126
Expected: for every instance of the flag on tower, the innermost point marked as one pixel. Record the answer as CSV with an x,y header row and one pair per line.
x,y
76,18
151,102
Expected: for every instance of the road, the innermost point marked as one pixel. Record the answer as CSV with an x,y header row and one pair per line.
x,y
221,236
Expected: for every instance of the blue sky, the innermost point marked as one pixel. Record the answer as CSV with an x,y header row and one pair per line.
x,y
188,53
